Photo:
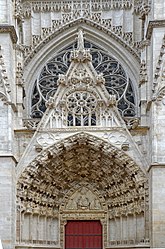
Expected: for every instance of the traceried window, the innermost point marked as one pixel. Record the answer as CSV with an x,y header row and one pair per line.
x,y
81,109
117,83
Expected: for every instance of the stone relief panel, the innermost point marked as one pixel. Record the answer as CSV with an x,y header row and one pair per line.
x,y
35,228
5,88
46,139
118,139
83,199
127,230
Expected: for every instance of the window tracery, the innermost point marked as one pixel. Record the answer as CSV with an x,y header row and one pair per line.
x,y
81,109
117,83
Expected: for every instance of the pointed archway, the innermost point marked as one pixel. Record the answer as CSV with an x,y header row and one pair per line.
x,y
58,174
82,177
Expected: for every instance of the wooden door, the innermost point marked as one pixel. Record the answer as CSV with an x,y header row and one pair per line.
x,y
83,235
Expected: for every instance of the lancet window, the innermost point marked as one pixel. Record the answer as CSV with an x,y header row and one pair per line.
x,y
117,83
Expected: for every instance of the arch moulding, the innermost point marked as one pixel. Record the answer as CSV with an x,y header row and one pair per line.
x,y
83,177
95,33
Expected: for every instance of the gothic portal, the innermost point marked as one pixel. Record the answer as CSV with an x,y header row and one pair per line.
x,y
82,117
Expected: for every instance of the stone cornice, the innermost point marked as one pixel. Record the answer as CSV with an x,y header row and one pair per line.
x,y
156,165
152,25
4,28
9,156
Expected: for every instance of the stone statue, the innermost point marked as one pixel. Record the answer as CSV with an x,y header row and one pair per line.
x,y
80,40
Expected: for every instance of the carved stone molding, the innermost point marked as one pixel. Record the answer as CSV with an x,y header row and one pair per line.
x,y
159,75
143,73
142,7
81,177
9,29
156,165
24,9
46,139
30,52
118,139
19,75
152,25
31,124
4,82
67,176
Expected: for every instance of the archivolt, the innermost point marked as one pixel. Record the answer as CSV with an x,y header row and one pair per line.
x,y
84,159
55,42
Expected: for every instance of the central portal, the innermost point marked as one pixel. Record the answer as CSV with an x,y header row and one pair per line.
x,y
83,235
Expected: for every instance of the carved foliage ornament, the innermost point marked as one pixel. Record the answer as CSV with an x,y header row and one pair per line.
x,y
4,81
142,7
159,76
83,160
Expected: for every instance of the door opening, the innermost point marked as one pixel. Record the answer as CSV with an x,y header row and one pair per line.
x,y
83,235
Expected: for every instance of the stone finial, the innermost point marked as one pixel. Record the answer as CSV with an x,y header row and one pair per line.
x,y
80,54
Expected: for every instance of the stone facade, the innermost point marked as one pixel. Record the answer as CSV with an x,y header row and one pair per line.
x,y
82,95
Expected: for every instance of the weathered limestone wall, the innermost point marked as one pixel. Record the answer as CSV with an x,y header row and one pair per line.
x,y
7,96
6,15
157,169
7,177
7,201
157,202
159,9
157,177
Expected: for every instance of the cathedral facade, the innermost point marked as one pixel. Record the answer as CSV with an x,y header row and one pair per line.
x,y
82,110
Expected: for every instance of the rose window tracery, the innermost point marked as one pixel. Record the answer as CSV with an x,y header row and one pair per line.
x,y
81,109
117,81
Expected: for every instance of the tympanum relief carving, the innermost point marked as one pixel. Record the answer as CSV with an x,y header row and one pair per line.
x,y
83,199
